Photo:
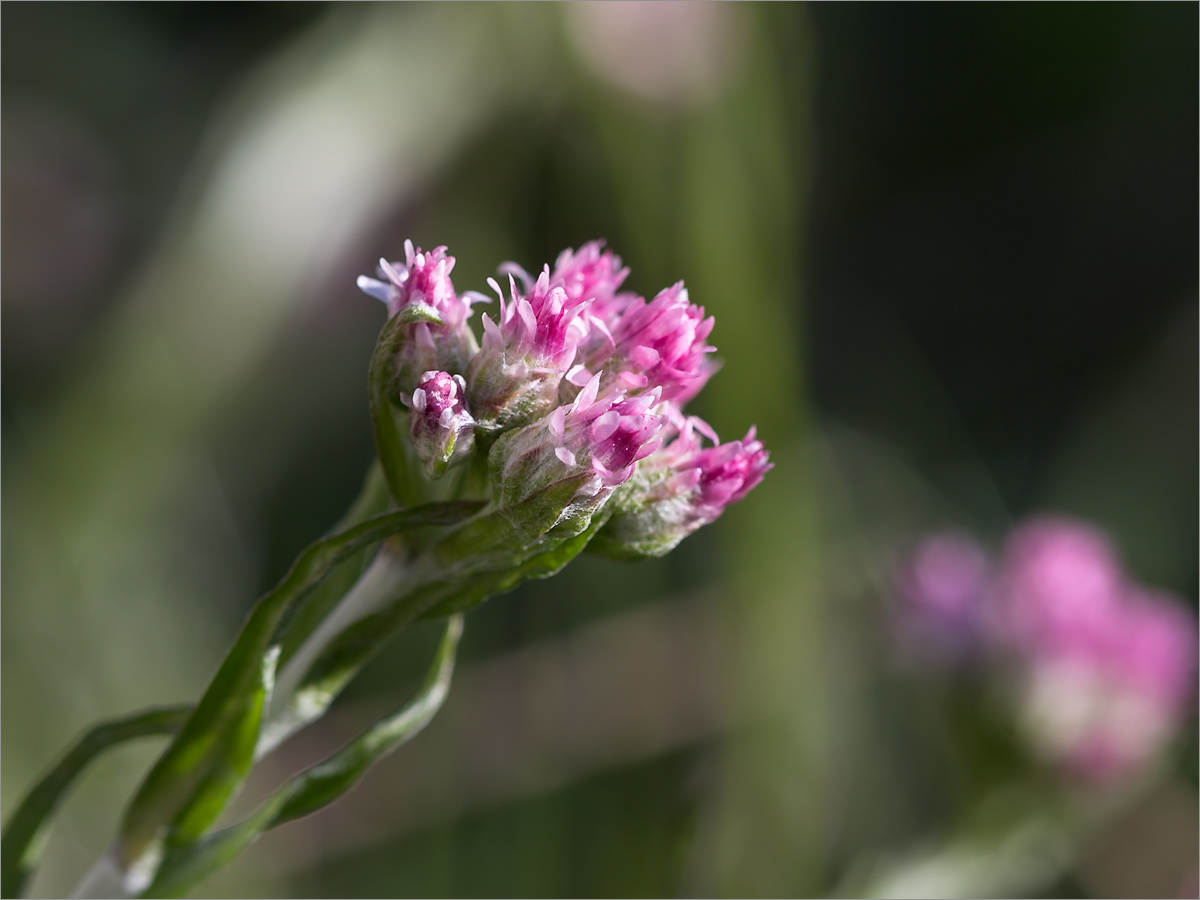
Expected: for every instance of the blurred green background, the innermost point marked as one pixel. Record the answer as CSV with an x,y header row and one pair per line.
x,y
952,253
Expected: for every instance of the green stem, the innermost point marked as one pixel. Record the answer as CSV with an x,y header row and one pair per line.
x,y
27,828
296,703
319,785
189,785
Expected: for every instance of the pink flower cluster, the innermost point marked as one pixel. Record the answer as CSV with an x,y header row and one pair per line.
x,y
577,388
1105,668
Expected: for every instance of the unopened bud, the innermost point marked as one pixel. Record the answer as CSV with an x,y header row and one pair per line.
x,y
443,432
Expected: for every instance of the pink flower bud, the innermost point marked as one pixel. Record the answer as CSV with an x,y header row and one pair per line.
x,y
420,292
565,466
590,276
442,431
659,344
680,488
593,274
514,378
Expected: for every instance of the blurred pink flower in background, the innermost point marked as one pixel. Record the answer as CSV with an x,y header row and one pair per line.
x,y
1103,708
940,590
1105,668
1059,585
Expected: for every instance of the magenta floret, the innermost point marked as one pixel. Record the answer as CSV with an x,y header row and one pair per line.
x,y
680,488
660,344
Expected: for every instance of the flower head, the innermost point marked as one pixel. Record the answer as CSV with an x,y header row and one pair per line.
x,y
659,344
442,431
514,378
680,488
565,466
572,392
420,292
593,274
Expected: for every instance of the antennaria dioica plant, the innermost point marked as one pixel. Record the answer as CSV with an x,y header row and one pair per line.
x,y
499,460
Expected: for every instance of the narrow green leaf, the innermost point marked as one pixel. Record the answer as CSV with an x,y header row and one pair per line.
x,y
317,786
328,780
194,778
28,826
